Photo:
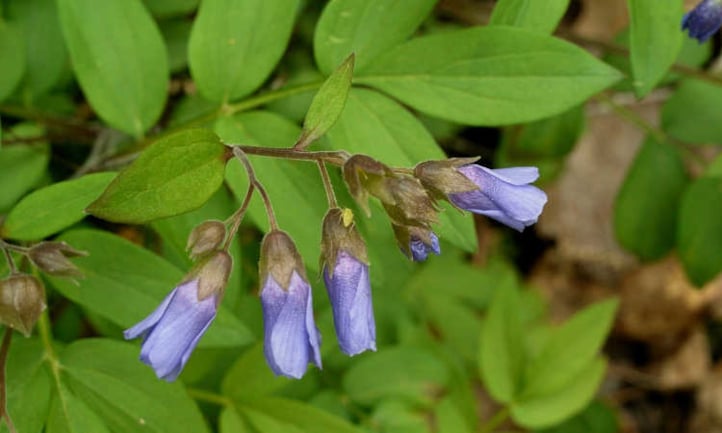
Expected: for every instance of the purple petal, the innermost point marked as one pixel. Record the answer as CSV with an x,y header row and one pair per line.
x,y
704,20
150,321
349,291
291,337
420,250
169,343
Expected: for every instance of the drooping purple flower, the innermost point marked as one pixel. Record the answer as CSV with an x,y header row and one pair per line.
x,y
420,249
291,338
704,20
172,331
349,289
503,194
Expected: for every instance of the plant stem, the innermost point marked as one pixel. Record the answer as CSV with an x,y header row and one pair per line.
x,y
270,97
327,185
4,348
237,217
210,397
253,180
8,257
335,157
495,421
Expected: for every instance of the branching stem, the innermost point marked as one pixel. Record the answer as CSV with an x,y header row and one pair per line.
x,y
237,217
253,180
327,185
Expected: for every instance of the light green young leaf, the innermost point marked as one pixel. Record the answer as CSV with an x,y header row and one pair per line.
x,y
12,58
107,377
655,40
235,44
502,355
119,59
549,409
327,105
489,75
540,16
53,208
377,126
645,223
699,229
124,283
366,28
569,350
175,174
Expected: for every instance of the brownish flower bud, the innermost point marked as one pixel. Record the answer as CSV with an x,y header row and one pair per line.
x,y
279,259
52,258
22,299
410,204
339,234
212,274
206,237
441,178
364,175
416,242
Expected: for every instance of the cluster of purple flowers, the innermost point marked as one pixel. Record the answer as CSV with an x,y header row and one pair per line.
x,y
292,340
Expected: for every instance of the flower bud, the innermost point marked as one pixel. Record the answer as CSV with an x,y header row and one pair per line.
x,y
364,175
279,258
212,275
22,299
339,234
205,238
411,204
441,178
416,242
52,258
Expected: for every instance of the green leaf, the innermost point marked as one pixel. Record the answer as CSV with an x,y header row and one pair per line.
x,y
301,416
569,350
124,283
69,414
655,40
502,354
402,372
45,52
549,409
327,105
171,8
595,418
366,28
691,114
262,422
250,378
28,386
107,377
230,421
175,174
176,34
12,58
489,75
377,126
644,222
119,59
53,208
699,230
21,169
235,44
542,17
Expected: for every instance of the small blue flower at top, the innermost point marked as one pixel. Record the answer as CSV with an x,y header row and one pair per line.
x,y
704,20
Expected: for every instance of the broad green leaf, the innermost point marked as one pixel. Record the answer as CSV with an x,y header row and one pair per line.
x,y
595,418
235,44
176,34
119,59
399,416
170,8
267,424
123,392
175,174
714,169
449,418
549,409
489,75
21,167
295,187
327,105
124,283
645,210
456,323
655,40
301,416
250,378
51,209
45,52
377,126
502,354
691,114
366,28
402,372
699,229
569,350
69,414
28,386
540,16
12,58
230,421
